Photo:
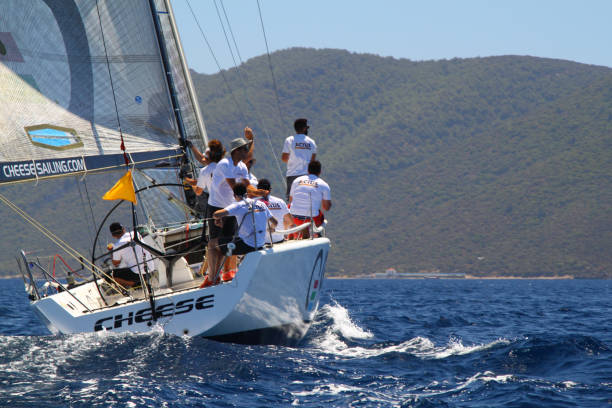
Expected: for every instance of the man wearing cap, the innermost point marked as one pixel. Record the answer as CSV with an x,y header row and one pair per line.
x,y
298,151
228,172
130,260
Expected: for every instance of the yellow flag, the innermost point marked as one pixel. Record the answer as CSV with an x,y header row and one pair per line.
x,y
122,190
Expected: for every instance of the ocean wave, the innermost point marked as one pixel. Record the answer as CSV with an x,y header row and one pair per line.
x,y
337,319
419,347
396,392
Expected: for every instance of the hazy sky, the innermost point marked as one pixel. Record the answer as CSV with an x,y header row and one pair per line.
x,y
419,30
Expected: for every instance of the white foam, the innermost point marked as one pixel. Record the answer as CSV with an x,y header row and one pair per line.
x,y
455,347
45,355
342,322
488,376
367,394
343,327
421,347
328,389
331,343
569,384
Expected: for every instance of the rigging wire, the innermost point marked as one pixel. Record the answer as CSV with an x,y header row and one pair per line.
x,y
263,29
243,80
231,32
111,83
91,231
217,62
225,33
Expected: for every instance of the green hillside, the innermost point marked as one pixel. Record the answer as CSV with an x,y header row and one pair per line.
x,y
496,166
488,166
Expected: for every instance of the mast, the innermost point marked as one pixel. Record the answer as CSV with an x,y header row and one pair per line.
x,y
168,71
186,73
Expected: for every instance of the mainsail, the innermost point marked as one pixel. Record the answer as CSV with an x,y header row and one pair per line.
x,y
77,76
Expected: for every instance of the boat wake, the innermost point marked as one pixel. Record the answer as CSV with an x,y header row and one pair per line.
x,y
334,332
418,372
337,320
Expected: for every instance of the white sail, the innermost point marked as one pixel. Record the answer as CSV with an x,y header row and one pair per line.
x,y
75,76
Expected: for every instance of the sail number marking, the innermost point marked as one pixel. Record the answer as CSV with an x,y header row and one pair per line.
x,y
145,315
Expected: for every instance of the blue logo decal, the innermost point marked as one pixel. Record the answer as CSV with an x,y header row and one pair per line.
x,y
53,137
138,99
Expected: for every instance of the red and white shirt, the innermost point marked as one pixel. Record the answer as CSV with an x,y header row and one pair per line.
x,y
306,195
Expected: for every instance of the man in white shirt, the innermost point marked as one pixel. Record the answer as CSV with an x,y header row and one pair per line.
x,y
278,208
214,153
309,195
130,260
298,151
228,172
252,216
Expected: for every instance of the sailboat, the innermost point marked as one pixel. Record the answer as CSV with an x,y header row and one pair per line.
x,y
92,86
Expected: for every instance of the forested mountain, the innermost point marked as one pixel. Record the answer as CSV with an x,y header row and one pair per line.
x,y
488,166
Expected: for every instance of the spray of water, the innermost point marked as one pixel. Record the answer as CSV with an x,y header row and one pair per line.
x,y
340,330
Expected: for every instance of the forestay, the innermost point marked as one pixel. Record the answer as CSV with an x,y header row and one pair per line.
x,y
75,75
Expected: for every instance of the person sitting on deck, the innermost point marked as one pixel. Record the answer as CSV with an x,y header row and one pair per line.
x,y
130,261
278,208
308,195
252,217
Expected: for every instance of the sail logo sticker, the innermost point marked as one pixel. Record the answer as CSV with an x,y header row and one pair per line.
x,y
8,49
53,137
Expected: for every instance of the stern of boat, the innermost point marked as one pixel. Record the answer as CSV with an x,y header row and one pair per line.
x,y
282,295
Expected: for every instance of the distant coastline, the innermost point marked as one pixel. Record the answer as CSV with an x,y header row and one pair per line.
x,y
557,277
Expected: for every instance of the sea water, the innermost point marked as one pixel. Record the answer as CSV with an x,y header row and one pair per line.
x,y
407,343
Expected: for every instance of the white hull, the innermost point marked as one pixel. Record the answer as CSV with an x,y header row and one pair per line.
x,y
272,299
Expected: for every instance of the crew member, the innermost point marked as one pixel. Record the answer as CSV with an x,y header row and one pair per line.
x,y
213,154
130,259
252,216
278,208
309,194
229,172
298,151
